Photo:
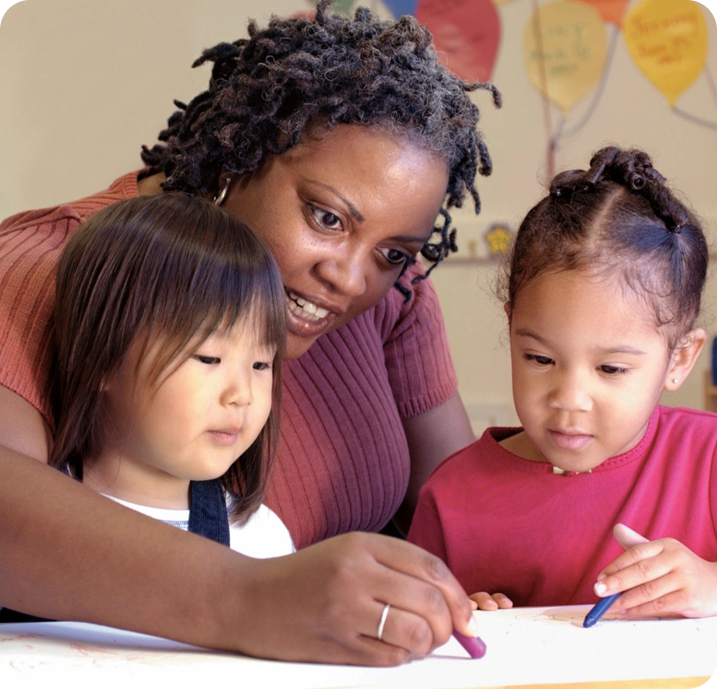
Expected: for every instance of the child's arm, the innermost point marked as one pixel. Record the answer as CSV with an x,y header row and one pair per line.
x,y
659,578
487,601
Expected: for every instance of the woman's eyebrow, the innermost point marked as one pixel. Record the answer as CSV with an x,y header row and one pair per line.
x,y
407,238
354,211
410,239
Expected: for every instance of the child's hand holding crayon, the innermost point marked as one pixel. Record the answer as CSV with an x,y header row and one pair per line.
x,y
661,578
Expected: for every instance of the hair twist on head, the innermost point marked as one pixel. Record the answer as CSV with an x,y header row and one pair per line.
x,y
617,215
267,89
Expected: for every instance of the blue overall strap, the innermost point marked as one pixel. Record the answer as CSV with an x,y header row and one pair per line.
x,y
208,510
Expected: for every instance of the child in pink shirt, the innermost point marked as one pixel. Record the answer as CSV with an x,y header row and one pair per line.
x,y
604,287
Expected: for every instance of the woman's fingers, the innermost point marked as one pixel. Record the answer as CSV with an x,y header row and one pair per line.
x,y
373,652
325,603
419,582
403,629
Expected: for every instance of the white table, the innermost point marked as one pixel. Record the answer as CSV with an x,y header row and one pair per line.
x,y
526,647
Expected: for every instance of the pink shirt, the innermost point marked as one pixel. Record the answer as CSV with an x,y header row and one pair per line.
x,y
507,524
343,459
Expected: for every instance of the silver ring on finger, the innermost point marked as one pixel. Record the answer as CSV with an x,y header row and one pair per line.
x,y
382,621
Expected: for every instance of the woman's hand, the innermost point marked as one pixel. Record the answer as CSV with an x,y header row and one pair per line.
x,y
325,603
487,601
68,553
659,578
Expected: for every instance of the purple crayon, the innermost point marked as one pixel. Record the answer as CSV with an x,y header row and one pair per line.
x,y
474,645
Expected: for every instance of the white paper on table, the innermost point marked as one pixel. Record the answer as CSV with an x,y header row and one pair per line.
x,y
525,646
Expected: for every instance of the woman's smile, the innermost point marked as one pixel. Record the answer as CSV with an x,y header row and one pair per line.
x,y
306,317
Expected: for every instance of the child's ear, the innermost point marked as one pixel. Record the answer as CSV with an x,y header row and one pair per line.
x,y
684,358
508,310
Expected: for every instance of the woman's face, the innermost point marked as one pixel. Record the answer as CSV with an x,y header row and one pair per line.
x,y
341,213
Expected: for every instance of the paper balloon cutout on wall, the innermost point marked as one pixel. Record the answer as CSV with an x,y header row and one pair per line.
x,y
565,48
610,10
340,6
466,31
401,7
667,39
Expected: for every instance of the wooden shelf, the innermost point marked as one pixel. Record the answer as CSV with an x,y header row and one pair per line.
x,y
710,393
471,261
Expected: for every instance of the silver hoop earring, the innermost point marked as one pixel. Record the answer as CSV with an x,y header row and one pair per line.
x,y
219,198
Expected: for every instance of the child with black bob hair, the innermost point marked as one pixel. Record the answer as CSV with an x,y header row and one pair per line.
x,y
603,290
170,331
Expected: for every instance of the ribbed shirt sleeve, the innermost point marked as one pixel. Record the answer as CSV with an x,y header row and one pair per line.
x,y
30,245
418,359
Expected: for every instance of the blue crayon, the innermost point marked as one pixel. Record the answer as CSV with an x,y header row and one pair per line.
x,y
599,609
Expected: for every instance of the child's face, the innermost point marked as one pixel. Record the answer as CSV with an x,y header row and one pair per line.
x,y
194,425
588,366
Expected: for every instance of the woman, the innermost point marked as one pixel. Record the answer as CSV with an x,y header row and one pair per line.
x,y
339,141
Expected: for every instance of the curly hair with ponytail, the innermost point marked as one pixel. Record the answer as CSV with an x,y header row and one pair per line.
x,y
267,89
619,215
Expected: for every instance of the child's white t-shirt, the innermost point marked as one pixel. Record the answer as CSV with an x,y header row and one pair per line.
x,y
264,535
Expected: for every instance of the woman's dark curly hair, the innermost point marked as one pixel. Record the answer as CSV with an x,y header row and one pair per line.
x,y
267,89
619,215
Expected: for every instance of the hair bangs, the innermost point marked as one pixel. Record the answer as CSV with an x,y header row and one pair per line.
x,y
160,273
205,272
